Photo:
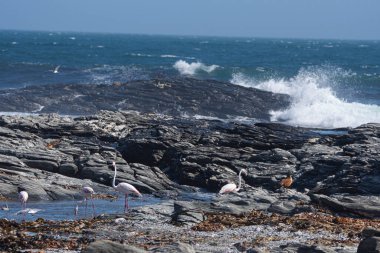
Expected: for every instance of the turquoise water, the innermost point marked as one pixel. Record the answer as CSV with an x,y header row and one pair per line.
x,y
333,83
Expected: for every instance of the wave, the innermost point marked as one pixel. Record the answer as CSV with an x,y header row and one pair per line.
x,y
168,56
314,102
191,68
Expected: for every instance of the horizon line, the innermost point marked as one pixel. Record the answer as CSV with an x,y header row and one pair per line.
x,y
189,35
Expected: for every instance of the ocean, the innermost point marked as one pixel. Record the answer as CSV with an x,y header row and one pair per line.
x,y
332,83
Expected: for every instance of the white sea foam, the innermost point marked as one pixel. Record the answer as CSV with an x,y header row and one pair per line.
x,y
191,68
314,102
168,56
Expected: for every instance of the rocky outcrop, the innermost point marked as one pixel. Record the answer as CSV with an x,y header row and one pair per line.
x,y
164,154
182,96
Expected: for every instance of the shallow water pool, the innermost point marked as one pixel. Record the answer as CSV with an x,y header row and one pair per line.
x,y
64,210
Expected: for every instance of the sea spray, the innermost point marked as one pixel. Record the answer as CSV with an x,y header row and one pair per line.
x,y
314,102
191,68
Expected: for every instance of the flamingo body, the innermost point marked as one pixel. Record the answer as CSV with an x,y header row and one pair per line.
x,y
231,187
88,192
124,188
23,197
127,189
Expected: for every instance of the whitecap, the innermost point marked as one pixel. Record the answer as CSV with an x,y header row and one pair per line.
x,y
314,102
168,56
72,38
191,68
14,42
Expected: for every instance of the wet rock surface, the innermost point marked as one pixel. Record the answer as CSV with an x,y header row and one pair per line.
x,y
166,96
53,156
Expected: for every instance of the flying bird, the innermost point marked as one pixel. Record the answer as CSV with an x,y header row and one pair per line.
x,y
88,193
124,188
55,71
231,187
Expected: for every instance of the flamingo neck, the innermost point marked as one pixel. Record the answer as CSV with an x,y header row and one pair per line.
x,y
237,189
114,178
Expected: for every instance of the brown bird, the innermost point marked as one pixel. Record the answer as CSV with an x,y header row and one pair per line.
x,y
287,182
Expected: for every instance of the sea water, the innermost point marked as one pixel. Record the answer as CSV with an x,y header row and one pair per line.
x,y
65,210
332,83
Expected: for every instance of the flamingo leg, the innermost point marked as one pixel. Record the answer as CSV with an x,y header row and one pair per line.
x,y
85,210
93,206
126,206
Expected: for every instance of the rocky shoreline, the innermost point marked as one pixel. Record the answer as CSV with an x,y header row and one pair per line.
x,y
334,197
52,156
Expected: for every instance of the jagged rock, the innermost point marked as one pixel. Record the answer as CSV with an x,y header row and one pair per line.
x,y
161,153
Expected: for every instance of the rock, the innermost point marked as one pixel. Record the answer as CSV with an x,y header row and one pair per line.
x,y
369,245
369,232
174,248
105,246
120,220
68,169
367,206
182,96
283,207
186,213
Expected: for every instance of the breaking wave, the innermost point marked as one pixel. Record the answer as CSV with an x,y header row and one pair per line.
x,y
314,101
191,68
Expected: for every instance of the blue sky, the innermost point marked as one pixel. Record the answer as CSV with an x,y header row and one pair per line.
x,y
340,19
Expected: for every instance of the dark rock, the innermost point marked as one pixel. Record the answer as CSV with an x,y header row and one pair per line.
x,y
369,232
179,96
367,206
369,245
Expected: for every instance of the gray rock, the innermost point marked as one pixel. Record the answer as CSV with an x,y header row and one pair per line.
x,y
174,248
105,246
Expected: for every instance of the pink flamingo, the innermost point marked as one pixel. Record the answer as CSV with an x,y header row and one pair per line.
x,y
231,187
23,197
124,188
88,193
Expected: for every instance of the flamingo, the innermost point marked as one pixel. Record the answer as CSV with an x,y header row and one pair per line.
x,y
88,193
124,188
23,197
231,187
